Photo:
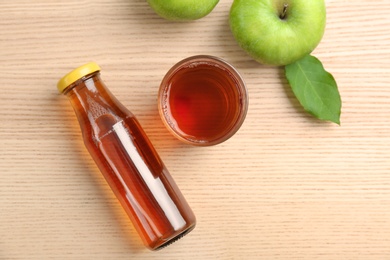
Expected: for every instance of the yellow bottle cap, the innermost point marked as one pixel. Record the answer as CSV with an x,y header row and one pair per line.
x,y
77,74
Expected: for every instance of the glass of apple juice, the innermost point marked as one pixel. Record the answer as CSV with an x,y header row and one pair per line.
x,y
203,100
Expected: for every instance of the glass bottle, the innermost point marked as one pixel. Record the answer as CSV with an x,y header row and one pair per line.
x,y
127,159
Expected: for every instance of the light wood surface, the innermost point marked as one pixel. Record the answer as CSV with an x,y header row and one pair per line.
x,y
286,186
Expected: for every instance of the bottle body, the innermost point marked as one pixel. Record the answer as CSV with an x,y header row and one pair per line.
x,y
130,164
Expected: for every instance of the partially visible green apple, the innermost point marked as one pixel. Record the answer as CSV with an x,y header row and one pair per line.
x,y
278,32
183,9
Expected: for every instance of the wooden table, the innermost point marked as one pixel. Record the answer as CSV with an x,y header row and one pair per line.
x,y
286,186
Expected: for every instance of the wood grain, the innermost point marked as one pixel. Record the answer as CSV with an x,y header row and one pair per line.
x,y
286,186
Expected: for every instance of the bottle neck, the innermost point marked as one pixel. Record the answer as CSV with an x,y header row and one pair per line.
x,y
93,102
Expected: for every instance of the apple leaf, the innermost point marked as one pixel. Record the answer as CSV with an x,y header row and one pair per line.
x,y
315,88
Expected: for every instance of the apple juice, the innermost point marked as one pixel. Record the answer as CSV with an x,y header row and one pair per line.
x,y
204,101
127,160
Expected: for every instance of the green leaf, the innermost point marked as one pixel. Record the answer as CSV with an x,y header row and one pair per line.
x,y
315,88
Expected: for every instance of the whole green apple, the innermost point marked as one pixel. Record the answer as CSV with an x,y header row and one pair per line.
x,y
278,32
183,9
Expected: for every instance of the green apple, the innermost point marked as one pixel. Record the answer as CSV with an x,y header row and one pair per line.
x,y
183,9
278,32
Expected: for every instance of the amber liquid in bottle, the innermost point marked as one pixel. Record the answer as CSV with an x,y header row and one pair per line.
x,y
130,164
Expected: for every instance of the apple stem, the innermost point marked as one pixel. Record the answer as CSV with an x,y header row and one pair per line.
x,y
284,12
